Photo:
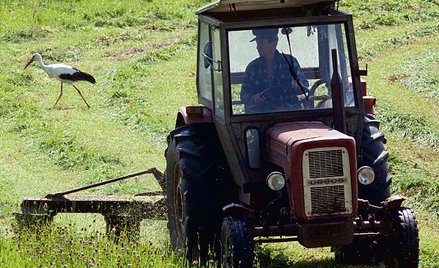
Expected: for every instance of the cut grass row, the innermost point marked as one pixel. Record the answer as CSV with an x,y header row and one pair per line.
x,y
24,20
409,117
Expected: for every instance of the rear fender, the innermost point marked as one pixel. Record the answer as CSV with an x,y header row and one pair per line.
x,y
193,114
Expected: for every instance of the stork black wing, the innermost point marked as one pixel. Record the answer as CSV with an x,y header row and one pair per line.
x,y
78,76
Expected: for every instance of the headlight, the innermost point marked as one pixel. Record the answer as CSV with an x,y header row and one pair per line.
x,y
365,175
276,181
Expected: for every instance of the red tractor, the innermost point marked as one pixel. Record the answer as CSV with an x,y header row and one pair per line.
x,y
283,146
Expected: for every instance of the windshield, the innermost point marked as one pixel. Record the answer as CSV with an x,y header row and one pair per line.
x,y
286,68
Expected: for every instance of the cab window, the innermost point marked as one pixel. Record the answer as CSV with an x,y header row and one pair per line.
x,y
286,68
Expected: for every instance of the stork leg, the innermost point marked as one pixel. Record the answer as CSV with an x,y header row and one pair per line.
x,y
60,94
88,106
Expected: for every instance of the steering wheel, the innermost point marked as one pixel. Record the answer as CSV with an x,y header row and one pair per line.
x,y
315,86
319,91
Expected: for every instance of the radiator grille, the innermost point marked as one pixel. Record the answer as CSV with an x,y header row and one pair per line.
x,y
327,181
324,164
328,199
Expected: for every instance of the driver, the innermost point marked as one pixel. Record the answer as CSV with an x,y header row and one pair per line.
x,y
268,82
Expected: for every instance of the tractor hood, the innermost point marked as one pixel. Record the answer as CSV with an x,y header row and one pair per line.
x,y
241,5
281,137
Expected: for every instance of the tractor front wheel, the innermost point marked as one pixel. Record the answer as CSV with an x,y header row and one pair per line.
x,y
403,243
236,244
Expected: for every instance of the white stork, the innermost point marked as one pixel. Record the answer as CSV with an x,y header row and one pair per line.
x,y
64,73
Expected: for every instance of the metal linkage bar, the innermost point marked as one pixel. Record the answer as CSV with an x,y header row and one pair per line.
x,y
157,174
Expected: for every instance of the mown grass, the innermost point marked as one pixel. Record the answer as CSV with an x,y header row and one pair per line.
x,y
410,117
125,45
142,54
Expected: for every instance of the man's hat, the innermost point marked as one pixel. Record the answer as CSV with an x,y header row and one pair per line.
x,y
270,34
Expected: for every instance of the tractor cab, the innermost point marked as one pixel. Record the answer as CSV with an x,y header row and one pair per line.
x,y
228,44
306,32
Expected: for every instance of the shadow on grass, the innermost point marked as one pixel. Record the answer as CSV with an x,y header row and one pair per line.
x,y
270,257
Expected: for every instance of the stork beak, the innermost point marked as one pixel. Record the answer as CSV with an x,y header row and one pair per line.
x,y
29,62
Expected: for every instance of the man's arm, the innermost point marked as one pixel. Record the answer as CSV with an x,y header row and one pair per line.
x,y
299,73
298,81
248,87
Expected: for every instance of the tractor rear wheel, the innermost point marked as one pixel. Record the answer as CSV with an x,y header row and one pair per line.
x,y
365,250
375,156
403,244
236,244
194,212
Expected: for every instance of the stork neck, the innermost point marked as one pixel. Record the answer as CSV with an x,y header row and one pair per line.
x,y
41,63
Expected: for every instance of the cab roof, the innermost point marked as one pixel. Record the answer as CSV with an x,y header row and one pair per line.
x,y
249,5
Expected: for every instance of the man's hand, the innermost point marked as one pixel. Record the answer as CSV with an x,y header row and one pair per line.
x,y
258,98
296,87
294,84
301,97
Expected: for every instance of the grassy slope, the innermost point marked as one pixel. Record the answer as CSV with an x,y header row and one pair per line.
x,y
143,56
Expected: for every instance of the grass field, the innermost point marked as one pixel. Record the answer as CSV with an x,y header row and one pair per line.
x,y
142,54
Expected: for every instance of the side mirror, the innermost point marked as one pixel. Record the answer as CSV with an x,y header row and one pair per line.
x,y
253,148
207,54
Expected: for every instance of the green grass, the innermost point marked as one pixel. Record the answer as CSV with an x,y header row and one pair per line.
x,y
61,246
142,54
